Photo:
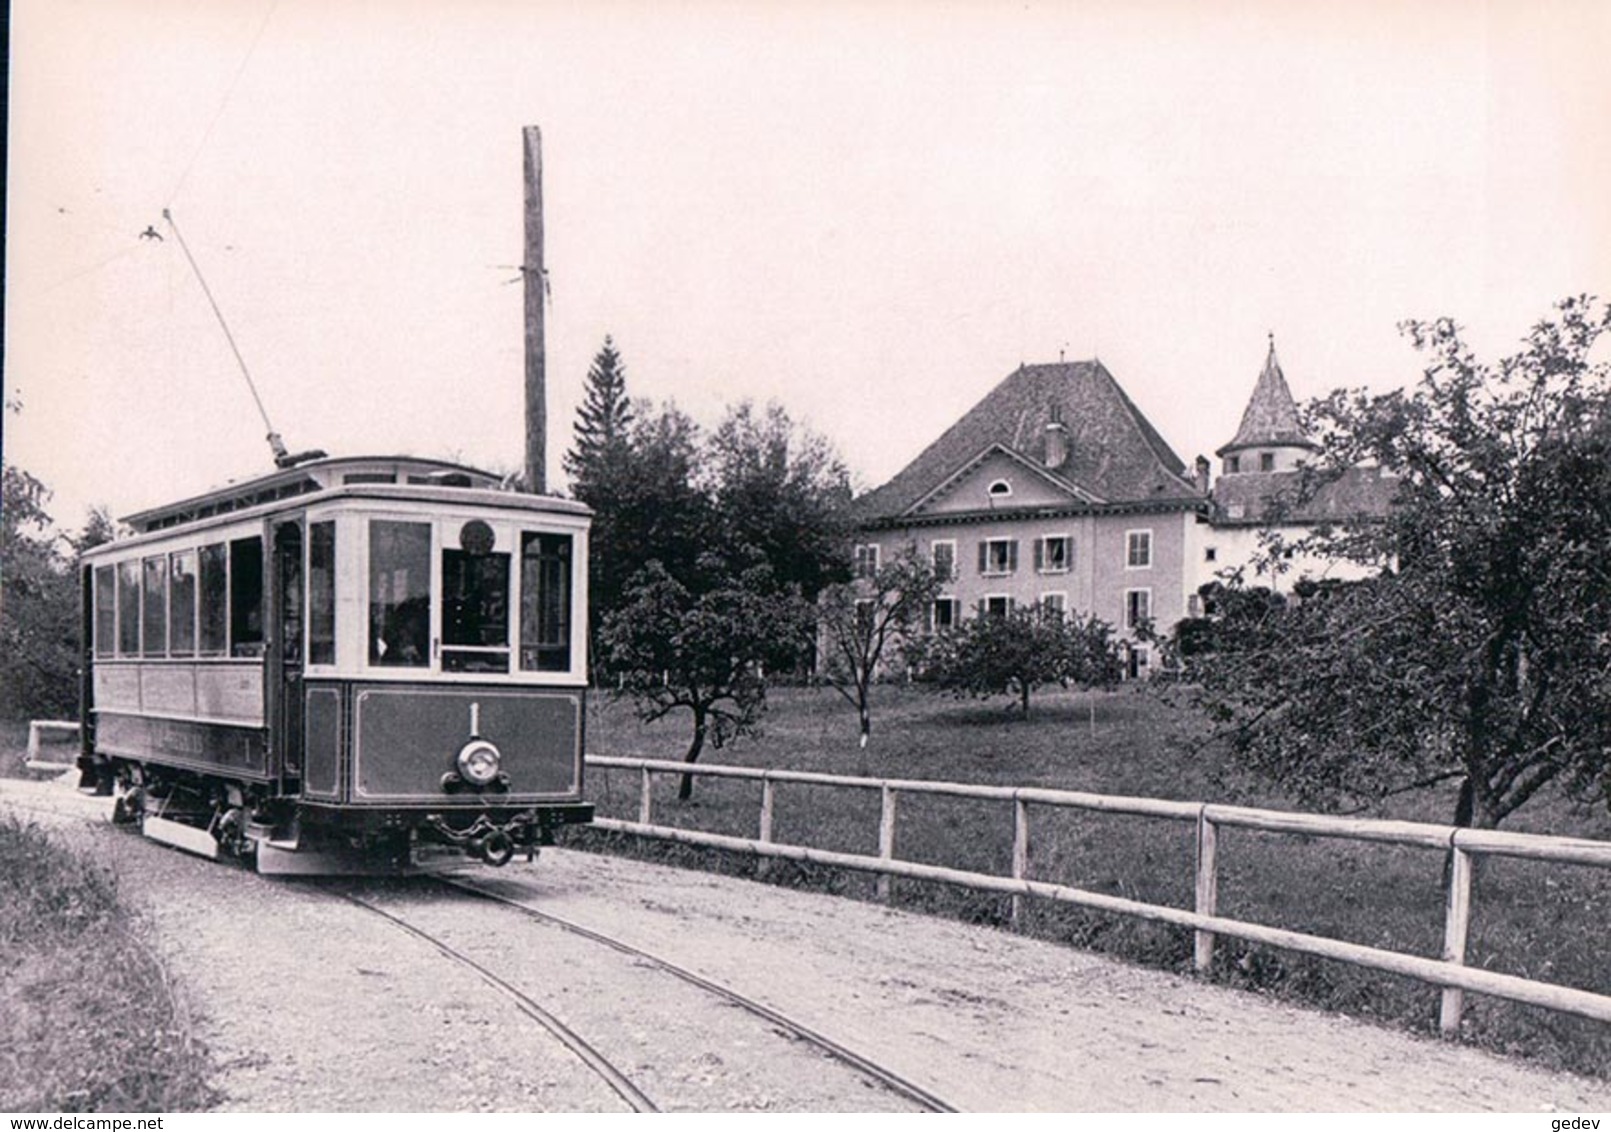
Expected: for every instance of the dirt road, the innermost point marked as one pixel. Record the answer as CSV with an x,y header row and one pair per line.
x,y
309,1005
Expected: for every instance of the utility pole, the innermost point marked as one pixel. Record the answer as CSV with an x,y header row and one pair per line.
x,y
536,284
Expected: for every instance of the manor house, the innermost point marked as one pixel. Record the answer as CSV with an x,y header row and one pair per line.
x,y
1055,489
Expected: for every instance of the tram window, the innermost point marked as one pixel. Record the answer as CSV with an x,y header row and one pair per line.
x,y
128,608
545,602
182,603
321,593
399,593
246,596
105,611
154,611
214,572
475,611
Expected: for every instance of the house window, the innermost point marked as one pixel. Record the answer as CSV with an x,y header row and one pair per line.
x,y
1233,464
866,559
944,556
998,556
942,614
1194,605
864,617
1054,604
996,605
1211,554
1139,659
1266,461
1137,550
1054,554
1137,608
1000,489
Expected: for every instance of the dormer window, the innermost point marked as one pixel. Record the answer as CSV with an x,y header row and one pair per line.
x,y
1266,461
1233,464
1000,489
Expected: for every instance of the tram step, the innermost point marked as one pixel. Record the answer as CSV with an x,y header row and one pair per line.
x,y
186,837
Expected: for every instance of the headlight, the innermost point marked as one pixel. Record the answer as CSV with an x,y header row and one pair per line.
x,y
478,762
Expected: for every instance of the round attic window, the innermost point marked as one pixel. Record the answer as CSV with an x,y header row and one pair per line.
x,y
1000,489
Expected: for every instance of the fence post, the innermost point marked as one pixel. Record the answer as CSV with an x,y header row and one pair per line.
x,y
645,798
886,844
767,801
1207,889
1020,853
1456,923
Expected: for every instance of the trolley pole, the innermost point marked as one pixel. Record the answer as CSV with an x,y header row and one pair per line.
x,y
536,286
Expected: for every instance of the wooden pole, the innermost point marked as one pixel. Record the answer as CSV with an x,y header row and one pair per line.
x,y
536,284
1456,926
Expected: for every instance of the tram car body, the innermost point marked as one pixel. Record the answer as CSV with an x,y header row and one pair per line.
x,y
337,666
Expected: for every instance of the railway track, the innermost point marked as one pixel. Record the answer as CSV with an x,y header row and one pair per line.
x,y
617,1079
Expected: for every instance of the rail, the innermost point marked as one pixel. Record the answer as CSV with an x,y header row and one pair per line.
x,y
1463,846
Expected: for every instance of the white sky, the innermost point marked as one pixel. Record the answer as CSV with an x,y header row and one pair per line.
x,y
871,212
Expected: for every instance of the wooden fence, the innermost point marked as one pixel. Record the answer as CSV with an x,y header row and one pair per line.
x,y
1463,846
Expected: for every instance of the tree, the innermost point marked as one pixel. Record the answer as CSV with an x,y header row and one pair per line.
x,y
782,496
1480,651
649,505
1020,650
603,425
857,620
40,623
672,648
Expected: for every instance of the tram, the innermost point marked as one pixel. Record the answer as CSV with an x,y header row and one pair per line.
x,y
345,665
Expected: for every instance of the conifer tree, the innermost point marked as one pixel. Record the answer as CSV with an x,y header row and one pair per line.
x,y
602,424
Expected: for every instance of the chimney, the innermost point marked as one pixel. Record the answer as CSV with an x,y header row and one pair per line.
x,y
1056,440
1202,474
536,283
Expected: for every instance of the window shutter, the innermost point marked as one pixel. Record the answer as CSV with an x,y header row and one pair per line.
x,y
984,556
1012,556
982,607
1040,554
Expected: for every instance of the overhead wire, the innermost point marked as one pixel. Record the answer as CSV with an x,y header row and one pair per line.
x,y
223,103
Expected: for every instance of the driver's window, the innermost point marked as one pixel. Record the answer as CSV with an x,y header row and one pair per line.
x,y
399,594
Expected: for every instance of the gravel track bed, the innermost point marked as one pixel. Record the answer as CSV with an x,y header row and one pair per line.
x,y
310,1003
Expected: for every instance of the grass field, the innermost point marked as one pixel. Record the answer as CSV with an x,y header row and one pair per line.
x,y
1546,922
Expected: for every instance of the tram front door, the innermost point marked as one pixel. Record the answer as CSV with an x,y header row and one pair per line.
x,y
285,674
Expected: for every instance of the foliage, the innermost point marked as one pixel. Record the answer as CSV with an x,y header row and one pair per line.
x,y
92,1024
672,648
603,424
39,611
1020,650
782,496
1481,652
858,620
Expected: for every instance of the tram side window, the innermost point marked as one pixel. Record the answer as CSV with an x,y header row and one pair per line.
x,y
128,608
545,602
214,619
182,603
475,611
399,593
246,596
154,612
105,611
321,593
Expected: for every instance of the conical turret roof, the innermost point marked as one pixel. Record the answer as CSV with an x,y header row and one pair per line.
x,y
1271,417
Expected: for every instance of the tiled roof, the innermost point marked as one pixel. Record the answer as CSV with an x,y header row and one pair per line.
x,y
1114,452
1253,498
1271,418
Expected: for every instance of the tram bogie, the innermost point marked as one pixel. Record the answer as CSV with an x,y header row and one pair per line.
x,y
341,667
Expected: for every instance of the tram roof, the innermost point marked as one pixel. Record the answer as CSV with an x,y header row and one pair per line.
x,y
325,474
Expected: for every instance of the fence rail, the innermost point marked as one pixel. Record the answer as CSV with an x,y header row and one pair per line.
x,y
1463,846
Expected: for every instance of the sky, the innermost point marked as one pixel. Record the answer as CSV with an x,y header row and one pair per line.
x,y
870,212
